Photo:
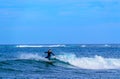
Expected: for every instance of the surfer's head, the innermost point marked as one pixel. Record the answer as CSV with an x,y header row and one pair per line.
x,y
49,50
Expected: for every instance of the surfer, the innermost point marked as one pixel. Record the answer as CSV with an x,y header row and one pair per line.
x,y
49,53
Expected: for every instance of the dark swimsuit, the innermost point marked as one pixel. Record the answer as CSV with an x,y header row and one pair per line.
x,y
49,55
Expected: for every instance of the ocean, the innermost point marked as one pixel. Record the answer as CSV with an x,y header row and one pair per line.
x,y
71,61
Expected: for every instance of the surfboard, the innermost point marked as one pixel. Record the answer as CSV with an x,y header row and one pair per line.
x,y
48,61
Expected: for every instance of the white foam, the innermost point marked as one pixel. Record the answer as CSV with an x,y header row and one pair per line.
x,y
106,45
30,56
24,46
98,62
83,45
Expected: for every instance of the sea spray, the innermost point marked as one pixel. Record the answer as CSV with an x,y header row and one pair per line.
x,y
30,56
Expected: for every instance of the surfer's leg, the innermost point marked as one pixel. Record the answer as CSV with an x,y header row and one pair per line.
x,y
48,57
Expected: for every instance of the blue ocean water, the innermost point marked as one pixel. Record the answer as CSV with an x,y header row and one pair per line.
x,y
73,61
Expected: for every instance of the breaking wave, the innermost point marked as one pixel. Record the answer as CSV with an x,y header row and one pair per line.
x,y
97,62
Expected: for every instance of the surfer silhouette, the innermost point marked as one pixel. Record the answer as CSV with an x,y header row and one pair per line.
x,y
49,53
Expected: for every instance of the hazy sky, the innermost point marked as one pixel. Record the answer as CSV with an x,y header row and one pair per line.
x,y
59,21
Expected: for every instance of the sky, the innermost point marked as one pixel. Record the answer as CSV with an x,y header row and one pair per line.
x,y
59,21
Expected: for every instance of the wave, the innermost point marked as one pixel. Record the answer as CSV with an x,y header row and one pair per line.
x,y
9,69
54,60
24,46
97,62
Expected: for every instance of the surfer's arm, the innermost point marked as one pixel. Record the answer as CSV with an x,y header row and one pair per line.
x,y
52,53
45,52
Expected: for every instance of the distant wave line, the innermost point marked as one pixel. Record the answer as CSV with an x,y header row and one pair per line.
x,y
32,46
